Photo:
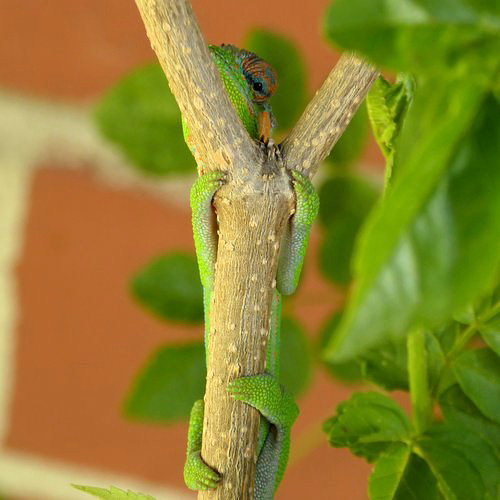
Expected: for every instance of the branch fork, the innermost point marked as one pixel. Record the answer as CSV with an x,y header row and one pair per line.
x,y
253,209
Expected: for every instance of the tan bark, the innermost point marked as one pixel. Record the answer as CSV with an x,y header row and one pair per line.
x,y
252,208
252,219
328,114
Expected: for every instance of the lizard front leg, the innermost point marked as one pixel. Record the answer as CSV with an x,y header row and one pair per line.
x,y
295,244
205,238
197,474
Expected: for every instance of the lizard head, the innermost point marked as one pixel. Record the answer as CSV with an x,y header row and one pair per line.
x,y
262,80
249,82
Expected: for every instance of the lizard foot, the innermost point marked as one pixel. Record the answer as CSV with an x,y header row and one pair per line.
x,y
307,205
266,395
205,187
198,475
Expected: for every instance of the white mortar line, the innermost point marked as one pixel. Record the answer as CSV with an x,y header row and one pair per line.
x,y
14,184
27,475
38,133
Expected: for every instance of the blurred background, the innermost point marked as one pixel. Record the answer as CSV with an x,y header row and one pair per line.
x,y
78,221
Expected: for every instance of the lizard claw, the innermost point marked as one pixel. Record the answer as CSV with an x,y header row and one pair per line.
x,y
271,150
198,475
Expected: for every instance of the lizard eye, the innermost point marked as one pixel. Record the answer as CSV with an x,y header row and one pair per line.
x,y
257,86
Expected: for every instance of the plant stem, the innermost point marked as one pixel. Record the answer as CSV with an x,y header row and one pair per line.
x,y
419,387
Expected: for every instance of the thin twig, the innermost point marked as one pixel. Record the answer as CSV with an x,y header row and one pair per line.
x,y
328,114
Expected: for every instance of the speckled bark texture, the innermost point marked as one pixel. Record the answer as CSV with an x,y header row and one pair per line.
x,y
252,219
328,114
221,141
252,209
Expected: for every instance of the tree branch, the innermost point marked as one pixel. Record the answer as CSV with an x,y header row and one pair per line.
x,y
328,114
253,208
221,141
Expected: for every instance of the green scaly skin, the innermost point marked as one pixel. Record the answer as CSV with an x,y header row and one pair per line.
x,y
263,392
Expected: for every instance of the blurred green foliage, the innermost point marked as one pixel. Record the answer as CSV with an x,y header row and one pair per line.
x,y
170,287
368,423
452,38
428,255
141,117
112,493
173,378
345,201
168,384
349,147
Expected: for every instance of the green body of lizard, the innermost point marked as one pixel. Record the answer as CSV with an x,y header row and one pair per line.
x,y
250,82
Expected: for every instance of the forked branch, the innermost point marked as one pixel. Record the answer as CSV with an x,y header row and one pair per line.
x,y
253,208
328,114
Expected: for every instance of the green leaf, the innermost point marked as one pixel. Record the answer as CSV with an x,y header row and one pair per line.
x,y
401,475
168,384
432,245
295,372
385,365
478,373
345,196
435,360
169,286
290,98
351,143
368,423
351,371
336,250
387,105
113,493
140,115
345,202
459,410
491,335
489,326
463,462
420,35
388,472
447,334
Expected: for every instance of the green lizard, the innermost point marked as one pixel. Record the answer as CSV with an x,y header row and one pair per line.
x,y
250,82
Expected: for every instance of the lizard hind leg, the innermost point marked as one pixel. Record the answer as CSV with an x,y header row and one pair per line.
x,y
197,474
266,395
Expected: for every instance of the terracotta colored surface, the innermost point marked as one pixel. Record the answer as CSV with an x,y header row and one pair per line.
x,y
78,48
81,339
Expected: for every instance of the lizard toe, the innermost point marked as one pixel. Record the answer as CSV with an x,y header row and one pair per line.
x,y
198,475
